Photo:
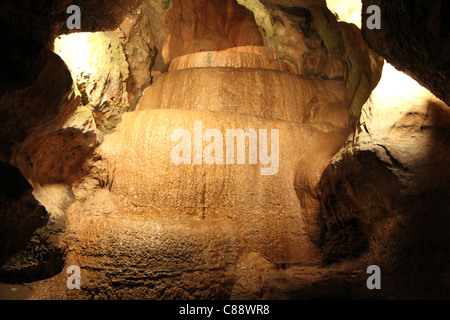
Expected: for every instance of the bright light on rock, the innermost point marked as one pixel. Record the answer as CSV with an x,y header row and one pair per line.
x,y
400,123
395,87
99,70
347,10
91,54
76,51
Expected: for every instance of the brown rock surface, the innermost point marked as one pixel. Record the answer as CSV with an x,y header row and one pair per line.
x,y
141,227
154,204
238,57
263,93
205,25
388,187
22,110
27,252
216,191
144,191
414,38
306,35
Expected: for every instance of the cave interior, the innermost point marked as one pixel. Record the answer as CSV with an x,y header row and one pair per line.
x,y
224,149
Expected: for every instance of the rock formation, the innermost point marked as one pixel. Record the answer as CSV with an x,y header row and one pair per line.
x,y
423,45
356,175
388,186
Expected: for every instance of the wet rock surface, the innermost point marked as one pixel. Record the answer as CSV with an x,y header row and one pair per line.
x,y
86,151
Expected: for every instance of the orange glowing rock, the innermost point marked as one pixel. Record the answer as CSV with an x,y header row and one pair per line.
x,y
265,211
268,94
240,57
269,214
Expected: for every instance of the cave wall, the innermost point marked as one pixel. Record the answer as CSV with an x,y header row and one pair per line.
x,y
414,38
377,202
386,191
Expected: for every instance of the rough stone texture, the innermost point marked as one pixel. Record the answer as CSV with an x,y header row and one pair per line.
x,y
99,71
307,35
386,191
152,259
22,110
383,200
161,214
88,193
26,253
304,34
18,219
140,57
207,25
217,191
414,38
238,57
250,92
106,71
47,132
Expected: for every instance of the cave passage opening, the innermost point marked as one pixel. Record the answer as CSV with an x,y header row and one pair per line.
x,y
189,27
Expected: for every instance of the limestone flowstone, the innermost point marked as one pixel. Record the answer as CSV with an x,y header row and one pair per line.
x,y
239,57
139,156
269,94
140,226
164,224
